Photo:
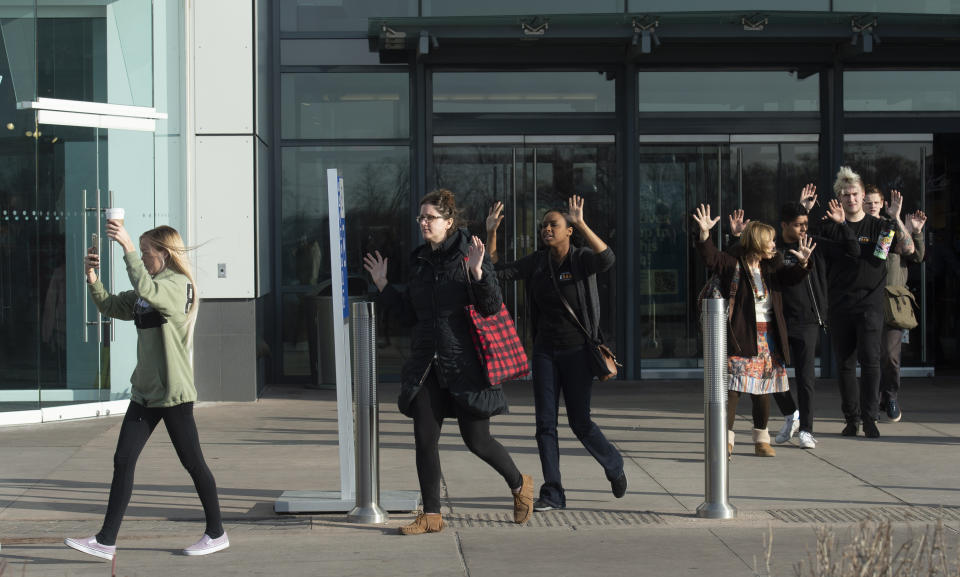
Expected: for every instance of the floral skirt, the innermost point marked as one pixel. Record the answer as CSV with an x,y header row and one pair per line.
x,y
761,374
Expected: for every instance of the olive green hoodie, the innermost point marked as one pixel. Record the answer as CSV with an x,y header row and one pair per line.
x,y
164,373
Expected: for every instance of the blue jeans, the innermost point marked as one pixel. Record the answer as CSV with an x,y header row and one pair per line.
x,y
567,371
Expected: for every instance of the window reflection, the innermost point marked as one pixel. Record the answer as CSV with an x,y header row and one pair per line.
x,y
901,90
377,213
734,91
346,105
522,92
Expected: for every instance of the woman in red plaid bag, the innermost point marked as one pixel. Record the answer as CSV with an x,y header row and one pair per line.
x,y
562,361
443,376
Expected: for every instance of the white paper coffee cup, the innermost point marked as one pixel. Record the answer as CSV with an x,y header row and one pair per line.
x,y
115,214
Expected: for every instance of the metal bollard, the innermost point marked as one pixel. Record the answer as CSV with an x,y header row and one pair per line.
x,y
716,473
366,415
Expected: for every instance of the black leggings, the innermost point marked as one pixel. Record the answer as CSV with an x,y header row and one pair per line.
x,y
138,424
429,406
761,409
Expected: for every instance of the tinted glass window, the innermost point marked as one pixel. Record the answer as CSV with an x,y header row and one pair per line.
x,y
736,91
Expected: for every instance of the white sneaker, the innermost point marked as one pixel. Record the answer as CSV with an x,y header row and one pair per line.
x,y
790,427
807,441
207,545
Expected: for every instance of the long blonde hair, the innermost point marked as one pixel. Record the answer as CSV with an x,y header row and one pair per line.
x,y
168,239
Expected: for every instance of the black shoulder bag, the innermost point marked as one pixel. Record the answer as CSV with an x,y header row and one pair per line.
x,y
603,362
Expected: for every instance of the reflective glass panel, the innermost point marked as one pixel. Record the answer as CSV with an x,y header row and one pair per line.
x,y
98,52
736,91
377,208
522,92
911,7
348,15
713,5
901,90
345,105
520,7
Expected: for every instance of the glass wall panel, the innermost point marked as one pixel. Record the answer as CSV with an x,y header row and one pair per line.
x,y
734,91
345,105
376,181
327,52
345,15
901,90
713,5
96,53
522,92
911,7
518,7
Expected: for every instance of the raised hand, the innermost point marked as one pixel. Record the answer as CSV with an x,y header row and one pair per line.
x,y
804,250
737,224
576,209
494,217
916,221
896,203
117,232
475,257
808,196
376,265
702,217
834,211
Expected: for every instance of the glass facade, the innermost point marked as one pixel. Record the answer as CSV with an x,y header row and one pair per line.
x,y
901,90
60,169
730,91
513,92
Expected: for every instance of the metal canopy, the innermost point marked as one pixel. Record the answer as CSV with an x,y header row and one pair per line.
x,y
654,36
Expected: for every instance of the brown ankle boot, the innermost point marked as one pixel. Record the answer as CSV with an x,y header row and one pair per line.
x,y
761,444
424,523
523,501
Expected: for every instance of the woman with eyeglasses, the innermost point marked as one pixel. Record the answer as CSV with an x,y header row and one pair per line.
x,y
561,357
443,377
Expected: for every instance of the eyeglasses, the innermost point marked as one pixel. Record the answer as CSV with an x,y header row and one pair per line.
x,y
428,218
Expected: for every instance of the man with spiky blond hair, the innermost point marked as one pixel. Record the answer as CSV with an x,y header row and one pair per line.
x,y
855,294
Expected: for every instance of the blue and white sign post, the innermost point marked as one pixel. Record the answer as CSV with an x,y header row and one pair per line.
x,y
331,501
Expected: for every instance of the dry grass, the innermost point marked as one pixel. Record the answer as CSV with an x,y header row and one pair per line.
x,y
871,553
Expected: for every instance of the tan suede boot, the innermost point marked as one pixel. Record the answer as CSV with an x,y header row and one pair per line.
x,y
523,500
424,523
761,443
730,437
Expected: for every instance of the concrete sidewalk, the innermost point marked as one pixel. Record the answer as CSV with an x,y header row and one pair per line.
x,y
55,479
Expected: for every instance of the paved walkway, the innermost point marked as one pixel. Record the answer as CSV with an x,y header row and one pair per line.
x,y
54,480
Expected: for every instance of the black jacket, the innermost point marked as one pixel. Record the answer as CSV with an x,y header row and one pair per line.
x,y
806,303
433,303
584,265
742,328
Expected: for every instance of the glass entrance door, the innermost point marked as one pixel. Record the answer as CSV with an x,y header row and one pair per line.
x,y
902,162
677,173
532,175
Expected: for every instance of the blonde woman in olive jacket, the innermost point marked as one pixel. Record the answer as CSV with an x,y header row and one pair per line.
x,y
163,306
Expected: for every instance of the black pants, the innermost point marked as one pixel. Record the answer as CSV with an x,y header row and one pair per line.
x,y
803,353
890,364
856,337
429,406
138,424
760,409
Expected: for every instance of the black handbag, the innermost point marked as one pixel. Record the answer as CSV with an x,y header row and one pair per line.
x,y
603,363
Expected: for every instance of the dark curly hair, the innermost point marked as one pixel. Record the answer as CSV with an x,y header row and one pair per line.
x,y
446,204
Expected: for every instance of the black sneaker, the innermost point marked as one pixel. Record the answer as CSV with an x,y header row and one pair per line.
x,y
619,486
870,429
893,411
541,505
851,429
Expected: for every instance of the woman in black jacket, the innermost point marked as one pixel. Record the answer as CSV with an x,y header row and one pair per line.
x,y
757,349
561,357
443,376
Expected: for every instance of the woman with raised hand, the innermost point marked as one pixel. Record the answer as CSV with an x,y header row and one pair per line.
x,y
561,340
757,350
163,305
443,376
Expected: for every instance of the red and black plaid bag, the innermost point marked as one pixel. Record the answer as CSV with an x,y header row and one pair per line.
x,y
498,345
497,342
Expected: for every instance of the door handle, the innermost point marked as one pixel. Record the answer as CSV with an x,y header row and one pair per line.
x,y
83,228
